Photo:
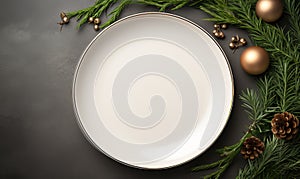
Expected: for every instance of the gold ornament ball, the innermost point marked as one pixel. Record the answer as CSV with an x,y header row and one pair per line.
x,y
217,34
231,45
269,10
234,39
65,20
243,41
255,60
91,19
96,27
97,21
221,35
224,26
216,26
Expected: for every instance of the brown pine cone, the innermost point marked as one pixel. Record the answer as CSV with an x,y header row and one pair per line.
x,y
285,125
252,148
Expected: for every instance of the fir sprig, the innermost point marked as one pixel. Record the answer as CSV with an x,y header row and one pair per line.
x,y
280,160
227,153
95,10
258,105
293,9
102,6
115,13
164,4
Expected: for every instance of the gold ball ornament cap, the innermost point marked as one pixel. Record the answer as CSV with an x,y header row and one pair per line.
x,y
269,10
255,60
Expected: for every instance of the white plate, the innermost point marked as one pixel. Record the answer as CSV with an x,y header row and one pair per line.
x,y
153,90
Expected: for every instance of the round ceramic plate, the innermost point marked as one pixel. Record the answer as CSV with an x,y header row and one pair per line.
x,y
153,90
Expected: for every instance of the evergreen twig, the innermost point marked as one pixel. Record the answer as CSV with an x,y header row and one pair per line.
x,y
101,6
280,160
228,153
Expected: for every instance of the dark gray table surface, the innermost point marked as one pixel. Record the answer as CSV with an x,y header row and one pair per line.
x,y
39,136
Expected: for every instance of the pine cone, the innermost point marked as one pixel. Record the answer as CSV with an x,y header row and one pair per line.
x,y
285,125
252,148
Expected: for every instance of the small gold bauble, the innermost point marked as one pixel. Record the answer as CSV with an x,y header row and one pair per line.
x,y
243,41
91,19
97,21
232,45
217,34
62,15
234,39
269,10
216,26
221,35
224,26
255,60
96,27
65,20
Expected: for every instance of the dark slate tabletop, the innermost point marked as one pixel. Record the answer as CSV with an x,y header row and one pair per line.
x,y
39,135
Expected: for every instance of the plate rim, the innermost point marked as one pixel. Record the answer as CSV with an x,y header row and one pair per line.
x,y
81,59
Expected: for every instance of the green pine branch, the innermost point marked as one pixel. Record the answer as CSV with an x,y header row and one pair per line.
x,y
280,160
293,9
258,105
227,153
101,6
115,13
163,5
95,10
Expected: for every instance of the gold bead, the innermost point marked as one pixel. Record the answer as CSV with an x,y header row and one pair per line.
x,y
65,20
91,19
97,21
243,41
96,27
216,26
214,31
62,15
221,35
224,26
232,45
217,34
234,39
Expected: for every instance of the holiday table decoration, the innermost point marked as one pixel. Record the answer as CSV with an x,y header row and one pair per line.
x,y
274,107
